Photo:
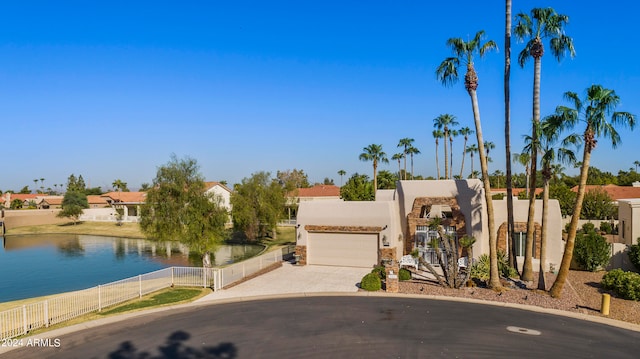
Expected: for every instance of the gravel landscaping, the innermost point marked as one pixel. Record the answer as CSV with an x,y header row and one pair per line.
x,y
581,294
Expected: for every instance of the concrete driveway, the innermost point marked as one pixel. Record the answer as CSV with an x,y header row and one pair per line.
x,y
290,279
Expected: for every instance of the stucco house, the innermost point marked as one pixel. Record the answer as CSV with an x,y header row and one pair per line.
x,y
319,192
363,233
629,220
129,202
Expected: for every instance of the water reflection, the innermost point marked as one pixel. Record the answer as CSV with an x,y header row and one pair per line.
x,y
35,265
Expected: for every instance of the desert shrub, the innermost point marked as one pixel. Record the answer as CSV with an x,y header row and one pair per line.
x,y
481,269
606,227
588,227
371,282
404,274
634,254
624,284
592,251
379,271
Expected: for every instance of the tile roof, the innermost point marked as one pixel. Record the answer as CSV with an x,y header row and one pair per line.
x,y
210,185
319,191
129,197
96,199
53,200
614,191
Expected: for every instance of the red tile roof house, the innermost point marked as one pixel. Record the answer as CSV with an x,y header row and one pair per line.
x,y
129,202
26,198
315,193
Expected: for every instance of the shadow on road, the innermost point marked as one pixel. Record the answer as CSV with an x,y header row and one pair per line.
x,y
175,348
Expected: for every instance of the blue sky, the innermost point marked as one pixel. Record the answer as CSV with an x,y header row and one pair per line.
x,y
110,90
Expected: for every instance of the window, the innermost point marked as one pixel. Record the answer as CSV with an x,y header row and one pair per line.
x,y
521,243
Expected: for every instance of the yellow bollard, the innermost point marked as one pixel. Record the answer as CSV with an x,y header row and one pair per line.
x,y
606,300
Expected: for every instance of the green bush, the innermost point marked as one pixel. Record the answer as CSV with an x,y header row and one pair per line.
x,y
624,284
606,227
404,274
379,271
591,251
634,254
371,282
588,227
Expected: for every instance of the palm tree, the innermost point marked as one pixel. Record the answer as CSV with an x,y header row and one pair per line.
x,y
471,149
524,159
405,143
464,132
437,134
412,151
543,23
398,157
119,185
548,135
488,146
42,185
341,173
35,185
443,122
374,154
598,114
636,163
447,73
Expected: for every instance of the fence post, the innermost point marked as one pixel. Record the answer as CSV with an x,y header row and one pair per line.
x,y
172,269
204,277
140,285
24,319
99,299
46,313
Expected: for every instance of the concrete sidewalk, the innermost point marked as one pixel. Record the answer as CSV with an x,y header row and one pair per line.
x,y
290,279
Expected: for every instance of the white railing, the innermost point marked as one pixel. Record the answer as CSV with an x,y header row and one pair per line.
x,y
21,320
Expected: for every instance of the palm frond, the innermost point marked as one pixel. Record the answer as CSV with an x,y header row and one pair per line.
x,y
447,72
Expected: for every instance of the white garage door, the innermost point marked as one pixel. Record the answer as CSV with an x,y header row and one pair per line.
x,y
343,249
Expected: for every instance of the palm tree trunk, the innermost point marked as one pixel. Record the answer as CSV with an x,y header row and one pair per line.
x,y
375,179
446,154
527,268
451,158
542,282
563,272
507,134
464,147
437,165
471,163
494,275
412,166
404,175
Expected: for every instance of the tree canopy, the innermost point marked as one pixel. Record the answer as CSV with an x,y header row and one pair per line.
x,y
357,188
178,208
72,205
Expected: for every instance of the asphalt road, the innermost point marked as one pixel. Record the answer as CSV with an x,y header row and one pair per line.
x,y
344,327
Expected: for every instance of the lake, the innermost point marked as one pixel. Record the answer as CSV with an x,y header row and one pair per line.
x,y
37,265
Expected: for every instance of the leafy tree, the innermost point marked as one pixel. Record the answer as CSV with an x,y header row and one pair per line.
x,y
328,181
258,205
598,114
73,204
447,73
597,204
592,251
25,190
93,191
627,178
178,208
292,179
145,187
598,177
565,196
375,154
16,204
357,188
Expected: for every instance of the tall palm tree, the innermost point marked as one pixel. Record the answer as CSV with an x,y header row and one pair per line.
x,y
35,185
549,131
464,132
341,173
398,157
452,133
375,154
636,163
405,143
543,23
507,133
412,151
42,185
471,149
488,146
444,122
437,134
447,73
598,114
524,159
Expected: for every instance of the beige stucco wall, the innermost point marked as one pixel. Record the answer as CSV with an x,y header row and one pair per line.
x,y
629,217
351,213
31,217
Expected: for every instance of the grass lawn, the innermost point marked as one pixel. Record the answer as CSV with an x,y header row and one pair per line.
x,y
130,230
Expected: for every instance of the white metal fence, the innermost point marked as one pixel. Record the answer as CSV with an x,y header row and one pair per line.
x,y
20,320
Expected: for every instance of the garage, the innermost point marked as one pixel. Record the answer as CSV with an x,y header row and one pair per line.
x,y
343,249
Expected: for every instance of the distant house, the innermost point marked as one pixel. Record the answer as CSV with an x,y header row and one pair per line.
x,y
50,202
319,192
614,191
129,202
25,198
222,192
97,201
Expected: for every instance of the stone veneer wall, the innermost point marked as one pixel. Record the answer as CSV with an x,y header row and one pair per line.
x,y
413,218
519,227
387,253
302,252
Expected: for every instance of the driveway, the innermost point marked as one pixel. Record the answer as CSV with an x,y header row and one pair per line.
x,y
290,279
